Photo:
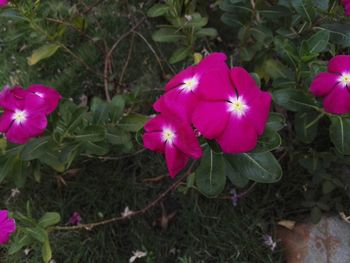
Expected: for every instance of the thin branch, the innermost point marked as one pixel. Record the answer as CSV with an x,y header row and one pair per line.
x,y
109,56
131,214
128,59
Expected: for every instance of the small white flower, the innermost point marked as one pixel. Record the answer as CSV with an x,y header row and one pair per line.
x,y
27,251
127,212
137,254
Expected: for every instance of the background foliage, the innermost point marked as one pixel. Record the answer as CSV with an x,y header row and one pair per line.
x,y
110,60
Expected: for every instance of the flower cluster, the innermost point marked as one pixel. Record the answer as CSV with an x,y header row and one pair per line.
x,y
3,3
210,99
7,227
346,4
334,85
25,111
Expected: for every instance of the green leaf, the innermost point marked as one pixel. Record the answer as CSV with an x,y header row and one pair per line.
x,y
210,175
51,158
258,167
318,42
179,55
116,108
315,215
231,20
76,119
306,126
269,141
100,110
157,10
8,168
305,8
339,33
276,121
233,174
277,70
49,219
34,148
294,100
38,233
92,133
117,136
18,244
41,53
207,32
340,134
46,251
167,35
96,148
133,122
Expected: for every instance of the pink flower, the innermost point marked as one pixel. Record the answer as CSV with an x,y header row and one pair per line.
x,y
233,110
7,227
75,219
181,90
25,111
50,96
346,4
23,119
334,85
3,3
169,135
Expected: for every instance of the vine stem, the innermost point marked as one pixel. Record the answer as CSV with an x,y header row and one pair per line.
x,y
131,214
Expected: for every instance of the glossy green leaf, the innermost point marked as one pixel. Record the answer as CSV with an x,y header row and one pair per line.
x,y
179,55
92,133
306,126
158,10
210,175
258,167
276,121
294,100
340,134
133,122
319,41
233,174
34,148
167,35
49,219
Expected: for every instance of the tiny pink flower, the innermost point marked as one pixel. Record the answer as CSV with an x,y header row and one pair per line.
x,y
7,227
181,90
75,219
167,134
334,85
346,4
3,3
233,110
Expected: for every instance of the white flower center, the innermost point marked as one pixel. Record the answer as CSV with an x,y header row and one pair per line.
x,y
237,106
190,84
168,135
344,79
19,116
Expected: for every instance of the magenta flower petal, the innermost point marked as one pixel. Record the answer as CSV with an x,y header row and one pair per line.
x,y
17,134
153,141
7,227
210,118
338,100
216,85
3,3
183,103
10,99
6,120
258,113
211,61
244,83
324,83
240,136
175,160
339,64
36,125
48,94
155,124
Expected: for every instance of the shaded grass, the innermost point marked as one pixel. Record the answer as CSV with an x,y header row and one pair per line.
x,y
203,230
